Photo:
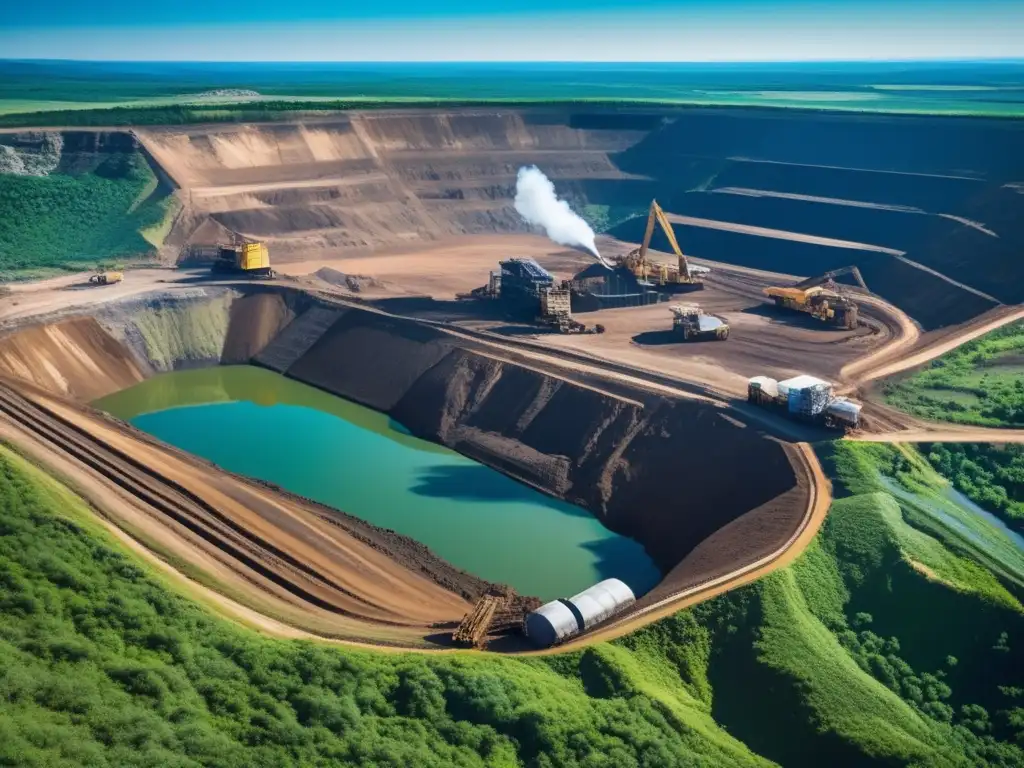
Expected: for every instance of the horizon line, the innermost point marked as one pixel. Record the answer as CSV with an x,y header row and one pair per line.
x,y
909,60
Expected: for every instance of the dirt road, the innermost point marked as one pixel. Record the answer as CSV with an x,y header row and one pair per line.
x,y
883,363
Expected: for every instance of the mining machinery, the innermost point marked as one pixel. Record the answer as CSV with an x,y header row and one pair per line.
x,y
241,256
106,278
806,398
684,277
821,297
690,322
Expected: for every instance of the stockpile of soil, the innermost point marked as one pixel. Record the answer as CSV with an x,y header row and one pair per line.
x,y
354,283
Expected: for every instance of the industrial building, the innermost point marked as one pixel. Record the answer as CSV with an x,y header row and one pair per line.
x,y
561,619
523,279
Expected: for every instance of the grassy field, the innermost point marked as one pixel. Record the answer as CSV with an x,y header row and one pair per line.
x,y
981,382
114,212
169,92
881,645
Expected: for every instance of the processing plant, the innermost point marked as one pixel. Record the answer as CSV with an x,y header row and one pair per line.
x,y
527,289
559,620
805,398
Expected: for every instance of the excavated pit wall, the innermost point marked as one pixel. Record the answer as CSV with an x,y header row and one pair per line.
x,y
699,489
944,191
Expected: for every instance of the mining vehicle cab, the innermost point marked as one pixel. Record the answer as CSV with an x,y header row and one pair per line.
x,y
106,278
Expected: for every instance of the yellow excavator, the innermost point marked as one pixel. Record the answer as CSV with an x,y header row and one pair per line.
x,y
821,297
685,277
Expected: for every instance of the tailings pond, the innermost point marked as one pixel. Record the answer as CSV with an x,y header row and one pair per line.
x,y
258,423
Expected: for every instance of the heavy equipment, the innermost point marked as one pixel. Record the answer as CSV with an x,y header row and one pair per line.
x,y
247,257
690,322
106,278
684,277
821,297
241,257
805,398
474,625
555,312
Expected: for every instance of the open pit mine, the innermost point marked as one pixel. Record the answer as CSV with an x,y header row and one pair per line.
x,y
322,409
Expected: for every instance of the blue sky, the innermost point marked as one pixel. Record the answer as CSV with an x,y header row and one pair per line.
x,y
528,30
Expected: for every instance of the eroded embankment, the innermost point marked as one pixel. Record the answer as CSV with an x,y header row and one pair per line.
x,y
702,491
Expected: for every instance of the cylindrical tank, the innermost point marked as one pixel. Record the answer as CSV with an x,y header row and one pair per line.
x,y
597,603
550,624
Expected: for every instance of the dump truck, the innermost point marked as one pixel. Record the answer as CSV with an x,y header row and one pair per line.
x,y
683,277
246,258
106,278
690,322
805,398
820,297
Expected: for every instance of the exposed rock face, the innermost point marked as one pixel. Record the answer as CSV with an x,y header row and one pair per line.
x,y
928,208
698,488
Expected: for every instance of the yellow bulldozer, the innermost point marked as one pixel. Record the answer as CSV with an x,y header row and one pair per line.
x,y
821,297
684,277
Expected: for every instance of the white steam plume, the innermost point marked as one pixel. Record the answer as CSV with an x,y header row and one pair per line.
x,y
537,203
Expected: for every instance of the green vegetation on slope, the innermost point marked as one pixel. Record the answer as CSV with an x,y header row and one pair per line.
x,y
981,382
184,331
101,665
860,653
990,475
61,221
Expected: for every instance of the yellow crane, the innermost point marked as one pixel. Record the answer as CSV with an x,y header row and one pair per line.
x,y
683,277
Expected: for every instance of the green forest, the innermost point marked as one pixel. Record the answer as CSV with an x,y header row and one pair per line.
x,y
62,221
883,644
980,382
990,475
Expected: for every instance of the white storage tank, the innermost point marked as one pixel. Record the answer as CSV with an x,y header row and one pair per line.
x,y
551,623
604,599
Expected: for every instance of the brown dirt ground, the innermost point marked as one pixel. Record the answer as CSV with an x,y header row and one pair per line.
x,y
74,357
